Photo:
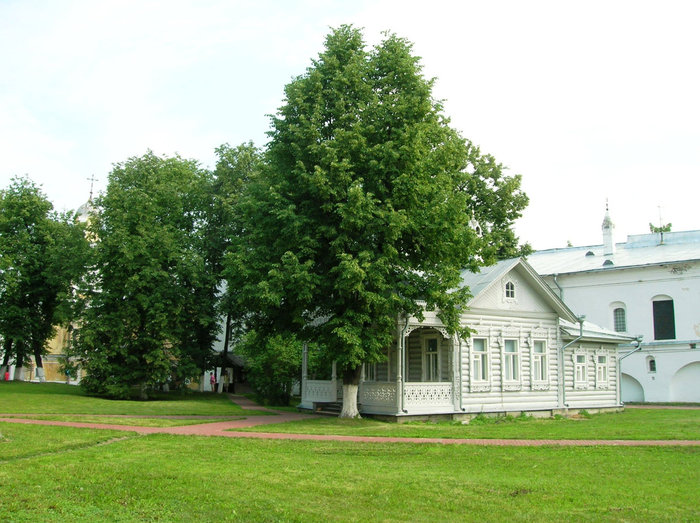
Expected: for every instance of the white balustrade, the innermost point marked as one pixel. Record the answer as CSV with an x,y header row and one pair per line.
x,y
428,394
378,394
320,391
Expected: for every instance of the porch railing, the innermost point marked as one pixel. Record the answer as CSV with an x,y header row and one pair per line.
x,y
427,394
377,394
382,394
321,391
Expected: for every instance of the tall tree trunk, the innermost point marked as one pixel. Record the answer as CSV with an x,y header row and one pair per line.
x,y
19,362
224,355
39,362
351,383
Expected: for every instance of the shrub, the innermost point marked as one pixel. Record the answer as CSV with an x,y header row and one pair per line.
x,y
273,365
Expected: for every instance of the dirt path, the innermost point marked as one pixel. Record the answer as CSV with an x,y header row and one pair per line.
x,y
227,429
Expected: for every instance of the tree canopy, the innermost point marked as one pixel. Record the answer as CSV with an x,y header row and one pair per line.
x,y
42,256
150,310
364,208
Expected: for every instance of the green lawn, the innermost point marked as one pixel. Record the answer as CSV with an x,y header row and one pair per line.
x,y
185,478
119,420
57,398
69,474
21,441
630,424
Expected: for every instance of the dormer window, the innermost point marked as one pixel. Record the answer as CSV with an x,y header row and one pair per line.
x,y
510,290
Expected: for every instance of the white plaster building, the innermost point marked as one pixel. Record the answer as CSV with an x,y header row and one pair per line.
x,y
527,354
649,286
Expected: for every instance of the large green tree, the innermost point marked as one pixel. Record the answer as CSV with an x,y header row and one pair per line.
x,y
365,208
235,167
42,255
150,315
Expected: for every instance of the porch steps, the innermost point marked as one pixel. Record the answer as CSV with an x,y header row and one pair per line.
x,y
328,409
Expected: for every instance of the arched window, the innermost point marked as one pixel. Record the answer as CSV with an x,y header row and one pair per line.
x,y
510,290
620,319
651,362
664,318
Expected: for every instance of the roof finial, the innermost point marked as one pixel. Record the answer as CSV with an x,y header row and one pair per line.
x,y
92,181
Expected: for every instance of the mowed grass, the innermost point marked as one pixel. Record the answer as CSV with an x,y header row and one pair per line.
x,y
52,473
21,441
636,424
186,478
57,398
119,420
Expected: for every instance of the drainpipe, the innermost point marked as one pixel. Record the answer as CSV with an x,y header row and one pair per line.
x,y
399,365
637,343
561,357
561,291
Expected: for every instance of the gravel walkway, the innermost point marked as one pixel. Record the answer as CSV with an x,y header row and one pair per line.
x,y
227,429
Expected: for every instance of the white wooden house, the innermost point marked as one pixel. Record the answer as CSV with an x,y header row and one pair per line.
x,y
528,353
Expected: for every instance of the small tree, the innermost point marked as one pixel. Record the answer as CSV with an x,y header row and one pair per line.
x,y
660,230
273,365
361,213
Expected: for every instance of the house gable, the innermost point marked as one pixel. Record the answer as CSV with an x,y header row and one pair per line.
x,y
514,286
514,292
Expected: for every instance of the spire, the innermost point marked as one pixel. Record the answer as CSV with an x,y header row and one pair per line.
x,y
92,181
608,226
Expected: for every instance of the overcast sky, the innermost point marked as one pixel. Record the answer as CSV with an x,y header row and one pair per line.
x,y
586,100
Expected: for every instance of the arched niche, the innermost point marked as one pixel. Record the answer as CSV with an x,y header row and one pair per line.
x,y
632,390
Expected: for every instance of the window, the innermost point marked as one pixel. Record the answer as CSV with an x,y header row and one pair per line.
x,y
539,361
510,290
511,362
580,376
479,360
370,372
601,370
432,361
620,319
664,321
652,364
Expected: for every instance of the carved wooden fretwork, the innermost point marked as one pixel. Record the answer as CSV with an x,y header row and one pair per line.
x,y
512,387
378,393
441,330
425,394
319,390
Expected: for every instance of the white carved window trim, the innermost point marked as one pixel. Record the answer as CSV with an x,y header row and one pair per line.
x,y
482,357
511,371
580,361
539,360
485,384
433,356
602,369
